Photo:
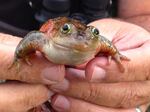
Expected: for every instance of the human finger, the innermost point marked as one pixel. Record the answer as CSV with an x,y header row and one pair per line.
x,y
68,104
122,94
21,97
9,39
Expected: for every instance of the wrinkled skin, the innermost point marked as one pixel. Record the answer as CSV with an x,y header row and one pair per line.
x,y
67,41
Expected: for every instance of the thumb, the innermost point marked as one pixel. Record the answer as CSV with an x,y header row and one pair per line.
x,y
20,97
98,70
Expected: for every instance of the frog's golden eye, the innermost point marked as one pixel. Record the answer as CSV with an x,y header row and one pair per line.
x,y
95,31
66,28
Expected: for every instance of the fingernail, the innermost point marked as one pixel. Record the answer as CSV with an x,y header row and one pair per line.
x,y
61,86
53,74
60,103
98,74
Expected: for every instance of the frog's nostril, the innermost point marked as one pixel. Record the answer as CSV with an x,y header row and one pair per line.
x,y
86,43
80,37
81,33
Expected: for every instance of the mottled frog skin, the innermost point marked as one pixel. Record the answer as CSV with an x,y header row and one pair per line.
x,y
67,41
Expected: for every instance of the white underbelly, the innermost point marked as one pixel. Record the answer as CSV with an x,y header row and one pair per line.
x,y
66,56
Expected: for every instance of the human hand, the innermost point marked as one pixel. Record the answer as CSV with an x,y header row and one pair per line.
x,y
42,71
118,92
22,96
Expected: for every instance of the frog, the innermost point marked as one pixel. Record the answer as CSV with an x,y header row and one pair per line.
x,y
67,41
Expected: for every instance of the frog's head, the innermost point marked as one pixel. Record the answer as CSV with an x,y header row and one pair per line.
x,y
70,33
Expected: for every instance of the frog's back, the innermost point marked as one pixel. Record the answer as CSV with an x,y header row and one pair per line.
x,y
56,23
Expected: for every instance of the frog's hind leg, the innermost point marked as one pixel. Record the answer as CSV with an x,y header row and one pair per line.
x,y
118,57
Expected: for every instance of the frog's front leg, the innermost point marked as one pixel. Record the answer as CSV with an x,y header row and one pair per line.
x,y
33,41
107,48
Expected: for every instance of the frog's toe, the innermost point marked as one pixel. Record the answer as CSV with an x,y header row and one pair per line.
x,y
15,64
121,67
109,60
118,58
123,57
28,61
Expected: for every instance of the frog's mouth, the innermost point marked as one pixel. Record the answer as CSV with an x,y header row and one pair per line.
x,y
76,48
62,47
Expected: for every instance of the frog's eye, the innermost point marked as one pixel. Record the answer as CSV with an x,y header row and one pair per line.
x,y
95,31
66,28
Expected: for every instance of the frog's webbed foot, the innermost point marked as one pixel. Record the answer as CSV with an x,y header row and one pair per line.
x,y
32,42
118,57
